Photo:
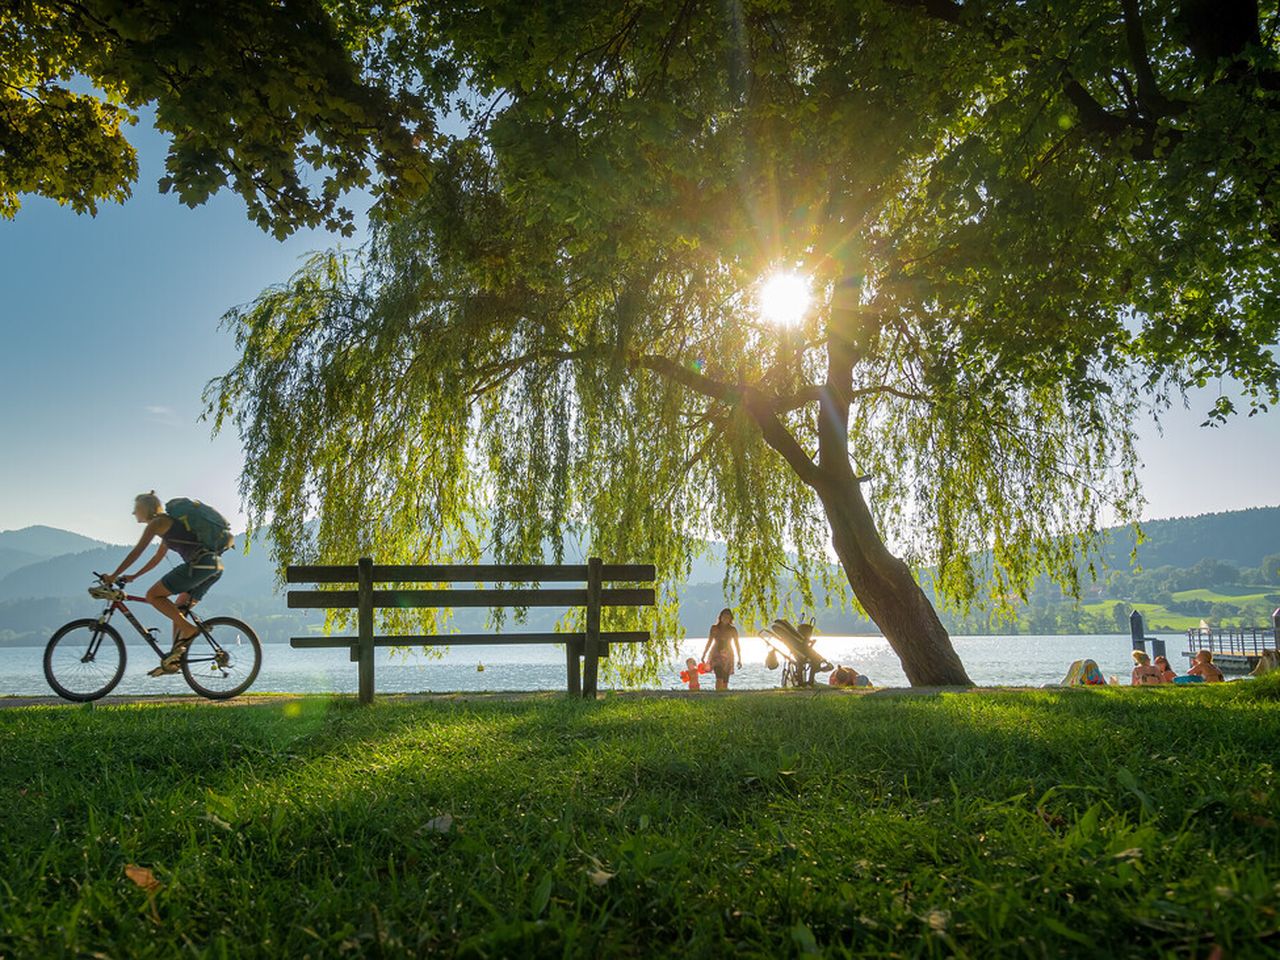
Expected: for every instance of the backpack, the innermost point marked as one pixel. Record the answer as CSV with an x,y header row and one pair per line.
x,y
206,524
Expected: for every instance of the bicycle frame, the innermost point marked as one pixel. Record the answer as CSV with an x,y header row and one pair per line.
x,y
118,604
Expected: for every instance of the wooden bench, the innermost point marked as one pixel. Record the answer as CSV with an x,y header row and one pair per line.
x,y
583,649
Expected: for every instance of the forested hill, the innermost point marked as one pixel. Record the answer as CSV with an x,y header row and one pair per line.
x,y
1220,566
1242,537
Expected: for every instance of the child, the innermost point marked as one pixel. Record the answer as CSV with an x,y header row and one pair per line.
x,y
1166,672
690,674
1205,668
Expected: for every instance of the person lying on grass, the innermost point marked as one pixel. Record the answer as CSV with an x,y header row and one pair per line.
x,y
847,677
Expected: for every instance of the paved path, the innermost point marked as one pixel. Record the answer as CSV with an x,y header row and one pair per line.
x,y
267,699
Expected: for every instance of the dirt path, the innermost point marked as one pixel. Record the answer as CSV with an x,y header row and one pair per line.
x,y
268,699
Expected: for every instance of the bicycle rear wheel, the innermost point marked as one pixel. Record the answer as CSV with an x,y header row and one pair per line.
x,y
226,665
84,660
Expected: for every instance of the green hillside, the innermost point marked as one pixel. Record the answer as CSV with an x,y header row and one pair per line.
x,y
1241,537
1221,567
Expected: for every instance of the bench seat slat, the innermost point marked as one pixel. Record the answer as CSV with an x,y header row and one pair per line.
x,y
469,639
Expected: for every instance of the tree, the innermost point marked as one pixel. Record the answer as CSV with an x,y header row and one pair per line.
x,y
252,92
565,328
1120,617
1270,568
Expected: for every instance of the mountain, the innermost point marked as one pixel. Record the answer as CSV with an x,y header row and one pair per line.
x,y
11,559
1242,537
40,588
69,575
43,542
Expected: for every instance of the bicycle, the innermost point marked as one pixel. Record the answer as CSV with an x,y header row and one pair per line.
x,y
85,659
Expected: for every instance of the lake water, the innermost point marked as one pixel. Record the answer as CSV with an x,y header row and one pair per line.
x,y
1015,661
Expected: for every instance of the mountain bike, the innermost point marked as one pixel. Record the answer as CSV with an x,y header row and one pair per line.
x,y
85,659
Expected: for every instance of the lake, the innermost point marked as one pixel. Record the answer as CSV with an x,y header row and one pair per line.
x,y
1006,660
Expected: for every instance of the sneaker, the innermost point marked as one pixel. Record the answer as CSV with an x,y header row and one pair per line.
x,y
172,661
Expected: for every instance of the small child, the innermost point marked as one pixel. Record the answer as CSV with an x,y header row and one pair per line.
x,y
690,674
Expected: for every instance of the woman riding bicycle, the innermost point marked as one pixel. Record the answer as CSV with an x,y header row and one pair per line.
x,y
190,580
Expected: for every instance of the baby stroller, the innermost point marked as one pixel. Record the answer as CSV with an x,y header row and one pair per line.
x,y
802,663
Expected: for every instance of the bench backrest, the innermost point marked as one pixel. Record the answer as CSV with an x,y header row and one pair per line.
x,y
583,649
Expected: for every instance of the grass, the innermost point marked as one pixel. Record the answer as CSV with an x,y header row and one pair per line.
x,y
1122,822
1155,615
1235,595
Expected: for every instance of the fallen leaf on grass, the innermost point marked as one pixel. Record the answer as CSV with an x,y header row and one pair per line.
x,y
1133,853
440,824
145,879
142,876
599,877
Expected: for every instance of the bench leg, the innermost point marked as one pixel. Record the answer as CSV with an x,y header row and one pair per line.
x,y
573,654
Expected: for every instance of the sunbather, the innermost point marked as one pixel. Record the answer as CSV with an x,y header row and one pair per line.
x,y
1204,667
1144,671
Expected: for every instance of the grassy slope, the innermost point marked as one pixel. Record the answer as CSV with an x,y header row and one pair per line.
x,y
1119,821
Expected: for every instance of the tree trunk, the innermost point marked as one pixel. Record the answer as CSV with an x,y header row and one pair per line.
x,y
889,593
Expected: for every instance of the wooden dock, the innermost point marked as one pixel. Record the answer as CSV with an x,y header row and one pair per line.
x,y
1234,649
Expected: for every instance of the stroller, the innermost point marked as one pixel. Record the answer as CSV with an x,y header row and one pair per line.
x,y
802,663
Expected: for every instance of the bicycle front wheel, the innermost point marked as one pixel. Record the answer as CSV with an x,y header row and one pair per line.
x,y
224,660
84,660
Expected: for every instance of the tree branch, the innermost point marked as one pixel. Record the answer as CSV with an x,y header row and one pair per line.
x,y
759,407
1150,98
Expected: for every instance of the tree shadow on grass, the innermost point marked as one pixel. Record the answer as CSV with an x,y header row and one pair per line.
x,y
685,824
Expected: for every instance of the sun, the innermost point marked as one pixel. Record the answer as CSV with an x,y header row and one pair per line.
x,y
783,298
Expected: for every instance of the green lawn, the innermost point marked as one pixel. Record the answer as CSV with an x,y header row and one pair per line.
x,y
1156,617
1122,822
1233,595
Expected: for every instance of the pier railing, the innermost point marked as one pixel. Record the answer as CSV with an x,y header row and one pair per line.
x,y
1235,641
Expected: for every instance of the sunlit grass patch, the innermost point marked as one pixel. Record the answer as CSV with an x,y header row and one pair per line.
x,y
1120,821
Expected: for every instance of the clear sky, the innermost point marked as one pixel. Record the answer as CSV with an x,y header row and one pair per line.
x,y
109,331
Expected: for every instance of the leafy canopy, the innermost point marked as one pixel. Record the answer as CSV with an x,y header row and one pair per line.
x,y
256,95
561,332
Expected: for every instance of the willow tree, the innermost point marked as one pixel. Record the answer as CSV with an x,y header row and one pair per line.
x,y
566,331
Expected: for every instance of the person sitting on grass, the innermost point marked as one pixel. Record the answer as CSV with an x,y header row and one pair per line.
x,y
1205,668
1166,672
1144,672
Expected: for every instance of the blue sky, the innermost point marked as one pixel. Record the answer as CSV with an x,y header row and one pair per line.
x,y
110,331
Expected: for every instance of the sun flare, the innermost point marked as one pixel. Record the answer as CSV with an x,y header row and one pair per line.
x,y
783,298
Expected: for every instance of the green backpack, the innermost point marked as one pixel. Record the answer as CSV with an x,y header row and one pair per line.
x,y
206,524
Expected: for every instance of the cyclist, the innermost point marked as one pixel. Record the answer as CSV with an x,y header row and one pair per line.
x,y
198,534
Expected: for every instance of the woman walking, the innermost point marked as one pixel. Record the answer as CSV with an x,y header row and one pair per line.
x,y
722,644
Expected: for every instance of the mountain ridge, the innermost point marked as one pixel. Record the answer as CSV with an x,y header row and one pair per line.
x,y
37,591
